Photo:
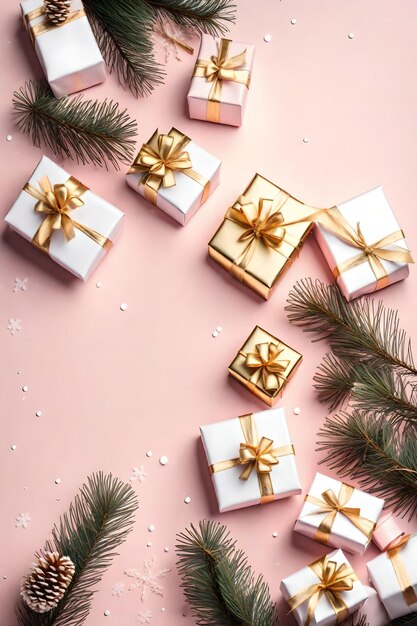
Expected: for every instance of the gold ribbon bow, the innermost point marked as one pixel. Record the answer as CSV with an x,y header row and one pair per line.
x,y
333,579
372,253
394,554
257,454
216,70
45,25
160,159
333,504
55,203
269,368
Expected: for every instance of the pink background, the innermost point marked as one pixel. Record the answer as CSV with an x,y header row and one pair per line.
x,y
113,384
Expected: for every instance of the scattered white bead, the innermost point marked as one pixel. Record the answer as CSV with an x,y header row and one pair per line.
x,y
25,388
219,329
149,453
306,139
19,371
275,534
214,333
149,544
166,549
58,499
13,446
351,35
25,488
4,577
162,609
123,306
99,284
9,137
297,410
293,21
187,499
38,413
163,460
107,612
151,528
57,481
267,38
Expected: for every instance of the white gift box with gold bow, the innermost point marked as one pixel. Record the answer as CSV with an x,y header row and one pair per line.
x,y
363,244
251,459
76,235
344,593
68,53
174,173
338,515
220,83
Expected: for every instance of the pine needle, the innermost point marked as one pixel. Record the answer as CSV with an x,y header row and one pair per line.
x,y
97,522
199,16
406,620
83,130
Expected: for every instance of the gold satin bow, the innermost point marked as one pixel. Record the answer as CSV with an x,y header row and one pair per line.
x,y
160,159
45,25
269,368
333,579
216,70
333,504
394,554
259,456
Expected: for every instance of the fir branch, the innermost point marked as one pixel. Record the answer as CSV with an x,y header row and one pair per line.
x,y
83,130
334,380
406,620
361,330
199,16
218,583
372,451
357,619
97,522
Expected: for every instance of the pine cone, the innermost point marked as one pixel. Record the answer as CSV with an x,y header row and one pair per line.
x,y
57,10
47,581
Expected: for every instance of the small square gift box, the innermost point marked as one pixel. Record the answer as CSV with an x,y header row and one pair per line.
x,y
61,217
261,235
264,365
394,575
220,83
67,50
251,459
325,592
338,515
174,173
363,244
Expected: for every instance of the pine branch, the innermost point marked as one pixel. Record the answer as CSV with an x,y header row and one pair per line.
x,y
406,620
372,451
97,522
362,330
199,16
334,381
357,619
218,583
83,130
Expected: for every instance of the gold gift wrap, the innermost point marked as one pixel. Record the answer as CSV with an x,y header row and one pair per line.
x,y
248,251
264,365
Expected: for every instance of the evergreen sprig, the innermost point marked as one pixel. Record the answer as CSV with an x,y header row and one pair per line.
x,y
84,130
217,581
97,522
406,620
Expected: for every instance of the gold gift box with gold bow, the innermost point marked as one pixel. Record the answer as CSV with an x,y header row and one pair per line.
x,y
264,365
261,235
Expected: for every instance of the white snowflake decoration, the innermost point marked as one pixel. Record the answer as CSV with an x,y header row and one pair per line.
x,y
118,589
20,284
138,473
144,617
14,325
22,520
147,580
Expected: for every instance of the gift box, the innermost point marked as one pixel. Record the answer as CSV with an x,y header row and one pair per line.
x,y
68,52
394,576
325,592
338,515
174,173
261,235
220,83
264,365
387,531
64,219
373,609
363,244
251,459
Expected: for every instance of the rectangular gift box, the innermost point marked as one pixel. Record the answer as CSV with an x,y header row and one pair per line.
x,y
394,575
96,223
228,444
349,600
259,257
249,366
68,53
189,187
351,530
366,222
220,83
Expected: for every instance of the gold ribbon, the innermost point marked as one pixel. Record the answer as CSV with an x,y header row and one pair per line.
x,y
333,504
216,70
55,204
372,253
45,24
257,454
160,159
268,367
333,579
394,554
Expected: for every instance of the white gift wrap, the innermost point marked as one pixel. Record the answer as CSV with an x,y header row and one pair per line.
x,y
382,576
221,442
372,210
344,534
81,254
324,614
183,200
69,54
